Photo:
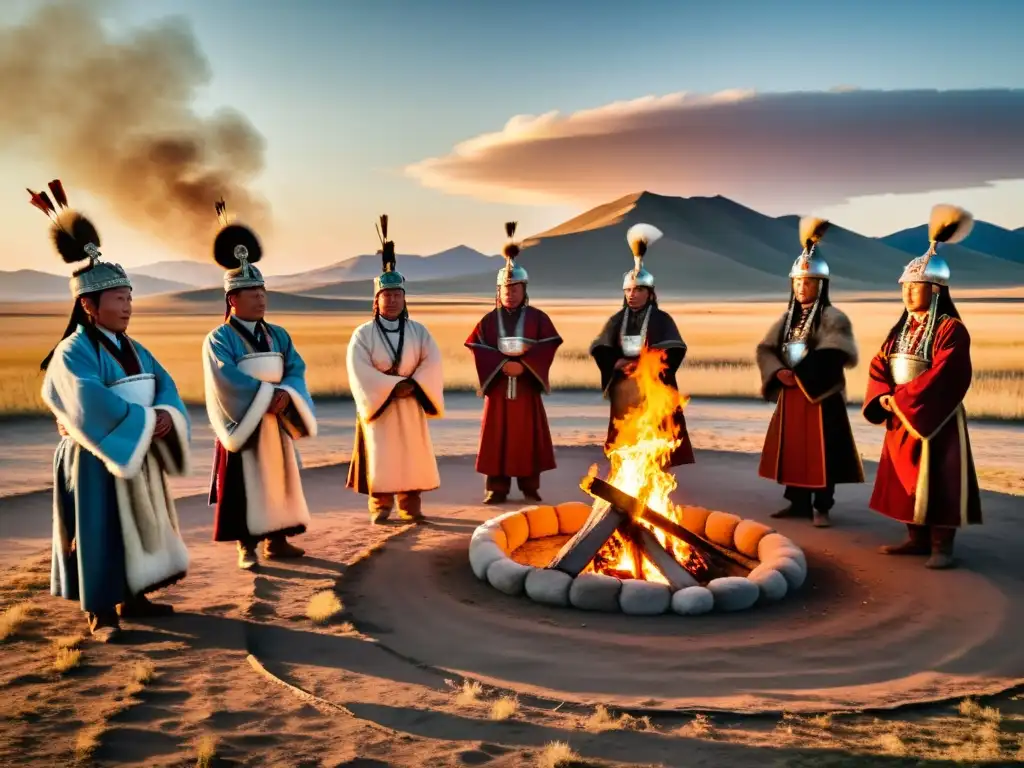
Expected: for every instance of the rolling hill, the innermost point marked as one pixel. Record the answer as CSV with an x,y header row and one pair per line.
x,y
987,239
32,285
194,273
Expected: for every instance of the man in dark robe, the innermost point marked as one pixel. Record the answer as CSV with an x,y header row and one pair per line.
x,y
917,383
809,447
513,347
639,325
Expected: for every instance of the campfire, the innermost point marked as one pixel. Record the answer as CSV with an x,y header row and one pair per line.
x,y
635,531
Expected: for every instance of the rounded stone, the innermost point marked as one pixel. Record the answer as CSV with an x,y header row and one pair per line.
x,y
734,593
748,535
595,592
644,598
541,521
481,554
571,516
772,583
775,544
548,586
694,519
516,529
693,601
720,527
794,571
508,576
491,532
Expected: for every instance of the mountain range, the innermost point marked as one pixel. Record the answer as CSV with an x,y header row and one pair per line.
x,y
713,246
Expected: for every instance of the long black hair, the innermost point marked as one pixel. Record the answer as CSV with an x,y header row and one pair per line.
x,y
944,306
78,317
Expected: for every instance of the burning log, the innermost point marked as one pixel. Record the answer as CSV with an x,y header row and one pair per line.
x,y
724,559
578,551
676,575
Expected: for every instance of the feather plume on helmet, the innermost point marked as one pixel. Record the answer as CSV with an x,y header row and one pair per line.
x,y
947,224
76,240
511,273
237,249
810,262
389,277
640,237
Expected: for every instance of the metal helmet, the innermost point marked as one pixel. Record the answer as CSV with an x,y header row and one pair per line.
x,y
948,224
810,263
640,237
236,248
76,239
389,277
511,273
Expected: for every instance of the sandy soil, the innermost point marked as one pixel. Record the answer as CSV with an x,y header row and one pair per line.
x,y
382,676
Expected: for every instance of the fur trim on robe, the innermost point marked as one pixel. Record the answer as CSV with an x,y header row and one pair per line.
x,y
399,454
154,552
240,385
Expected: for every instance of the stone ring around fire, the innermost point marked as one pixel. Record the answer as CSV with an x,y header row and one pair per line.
x,y
512,552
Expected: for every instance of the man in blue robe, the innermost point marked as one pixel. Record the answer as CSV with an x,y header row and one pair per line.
x,y
124,430
258,404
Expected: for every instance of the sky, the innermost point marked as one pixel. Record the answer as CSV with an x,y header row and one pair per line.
x,y
454,116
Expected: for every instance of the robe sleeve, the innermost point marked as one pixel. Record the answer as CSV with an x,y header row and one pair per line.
x,y
925,404
372,390
117,432
769,361
235,401
299,418
606,352
879,384
172,448
429,376
537,361
482,342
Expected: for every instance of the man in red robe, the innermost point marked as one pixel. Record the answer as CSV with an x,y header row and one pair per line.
x,y
513,346
917,383
639,325
809,447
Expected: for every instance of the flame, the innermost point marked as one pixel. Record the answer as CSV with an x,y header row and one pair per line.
x,y
646,437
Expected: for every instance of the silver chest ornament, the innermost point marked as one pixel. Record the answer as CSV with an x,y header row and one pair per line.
x,y
514,346
912,357
793,352
632,346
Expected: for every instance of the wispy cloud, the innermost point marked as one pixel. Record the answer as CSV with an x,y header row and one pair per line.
x,y
778,151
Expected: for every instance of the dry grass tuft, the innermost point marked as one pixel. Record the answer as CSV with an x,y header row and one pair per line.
x,y
700,727
824,722
143,673
323,607
13,619
557,754
504,708
971,709
469,694
67,659
70,642
27,581
86,742
603,720
892,744
206,751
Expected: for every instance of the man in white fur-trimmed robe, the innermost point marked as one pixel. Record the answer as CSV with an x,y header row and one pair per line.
x,y
394,371
258,405
124,430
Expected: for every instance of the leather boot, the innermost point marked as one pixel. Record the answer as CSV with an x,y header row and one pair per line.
x,y
104,626
942,548
279,548
491,497
917,542
140,607
247,557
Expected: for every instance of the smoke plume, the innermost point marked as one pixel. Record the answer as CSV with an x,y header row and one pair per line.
x,y
114,117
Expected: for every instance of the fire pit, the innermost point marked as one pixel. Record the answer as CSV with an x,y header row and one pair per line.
x,y
635,550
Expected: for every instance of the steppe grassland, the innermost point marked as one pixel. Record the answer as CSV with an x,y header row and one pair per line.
x,y
721,339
